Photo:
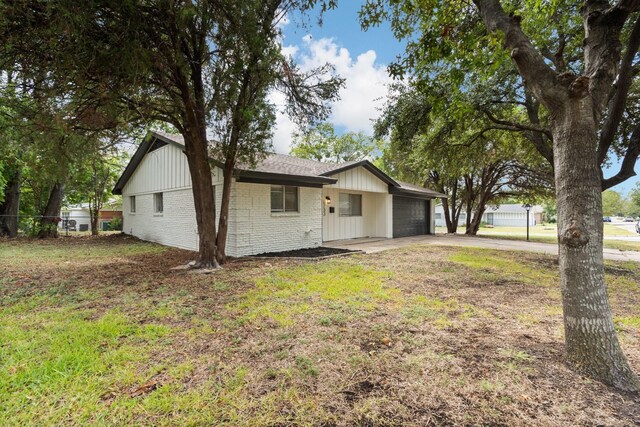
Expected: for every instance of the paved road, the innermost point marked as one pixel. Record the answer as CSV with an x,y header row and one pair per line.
x,y
373,245
629,226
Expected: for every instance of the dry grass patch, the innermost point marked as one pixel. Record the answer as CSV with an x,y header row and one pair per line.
x,y
417,336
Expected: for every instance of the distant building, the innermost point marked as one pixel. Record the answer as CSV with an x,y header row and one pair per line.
x,y
506,215
78,217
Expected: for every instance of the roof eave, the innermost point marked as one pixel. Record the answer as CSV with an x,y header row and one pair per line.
x,y
367,165
258,177
415,193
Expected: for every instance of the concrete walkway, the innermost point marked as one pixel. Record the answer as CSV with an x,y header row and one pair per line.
x,y
372,245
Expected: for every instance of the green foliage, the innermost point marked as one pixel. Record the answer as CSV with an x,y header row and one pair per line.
x,y
550,212
321,143
464,157
633,203
613,204
115,224
458,67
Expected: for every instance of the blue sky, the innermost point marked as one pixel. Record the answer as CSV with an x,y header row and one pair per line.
x,y
360,57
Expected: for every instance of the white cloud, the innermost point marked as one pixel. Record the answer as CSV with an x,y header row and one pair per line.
x,y
365,90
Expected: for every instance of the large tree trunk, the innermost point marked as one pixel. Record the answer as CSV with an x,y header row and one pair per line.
x,y
223,223
591,341
10,208
51,214
196,149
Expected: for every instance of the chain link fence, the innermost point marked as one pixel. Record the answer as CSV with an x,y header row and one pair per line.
x,y
68,224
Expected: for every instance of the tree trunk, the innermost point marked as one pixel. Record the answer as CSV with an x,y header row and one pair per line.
x,y
451,216
51,214
10,208
223,223
94,214
201,184
591,341
474,225
447,215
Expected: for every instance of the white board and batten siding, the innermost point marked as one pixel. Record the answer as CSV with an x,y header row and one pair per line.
x,y
165,171
376,219
359,179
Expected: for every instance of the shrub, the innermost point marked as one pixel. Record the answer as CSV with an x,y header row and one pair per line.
x,y
115,224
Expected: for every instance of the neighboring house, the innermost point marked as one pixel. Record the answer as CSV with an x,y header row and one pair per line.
x,y
283,203
507,215
82,217
76,216
110,210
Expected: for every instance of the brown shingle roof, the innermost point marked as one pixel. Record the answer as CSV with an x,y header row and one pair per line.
x,y
284,166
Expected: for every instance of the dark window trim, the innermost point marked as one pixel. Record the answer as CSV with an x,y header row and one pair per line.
x,y
284,203
155,203
349,215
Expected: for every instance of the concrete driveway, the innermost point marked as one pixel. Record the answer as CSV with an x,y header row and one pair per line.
x,y
372,245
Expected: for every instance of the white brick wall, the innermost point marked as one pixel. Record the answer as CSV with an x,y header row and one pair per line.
x,y
253,229
176,226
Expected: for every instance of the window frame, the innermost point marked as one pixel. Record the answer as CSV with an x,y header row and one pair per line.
x,y
156,197
350,196
132,204
283,209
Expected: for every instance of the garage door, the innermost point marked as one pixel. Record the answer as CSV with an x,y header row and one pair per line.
x,y
409,216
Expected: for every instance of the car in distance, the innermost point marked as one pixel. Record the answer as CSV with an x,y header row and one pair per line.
x,y
606,219
629,219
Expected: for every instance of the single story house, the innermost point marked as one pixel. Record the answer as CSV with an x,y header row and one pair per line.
x,y
283,203
79,213
506,215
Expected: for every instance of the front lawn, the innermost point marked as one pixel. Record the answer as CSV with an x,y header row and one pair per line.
x,y
614,236
102,331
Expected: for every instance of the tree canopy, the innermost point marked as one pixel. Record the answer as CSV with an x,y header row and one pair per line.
x,y
321,143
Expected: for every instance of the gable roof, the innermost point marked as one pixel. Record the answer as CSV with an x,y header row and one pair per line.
x,y
276,169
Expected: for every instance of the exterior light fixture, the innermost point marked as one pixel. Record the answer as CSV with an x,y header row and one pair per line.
x,y
327,200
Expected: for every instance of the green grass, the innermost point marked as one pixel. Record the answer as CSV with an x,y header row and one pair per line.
x,y
56,362
496,266
286,294
288,343
39,252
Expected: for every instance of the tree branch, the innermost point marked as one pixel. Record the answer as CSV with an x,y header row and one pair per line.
x,y
603,25
627,168
530,63
516,126
618,103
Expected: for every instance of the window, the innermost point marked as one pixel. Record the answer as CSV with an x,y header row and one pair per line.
x,y
438,216
350,204
132,204
284,198
157,203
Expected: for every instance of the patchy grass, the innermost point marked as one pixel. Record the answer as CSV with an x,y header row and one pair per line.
x,y
102,332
